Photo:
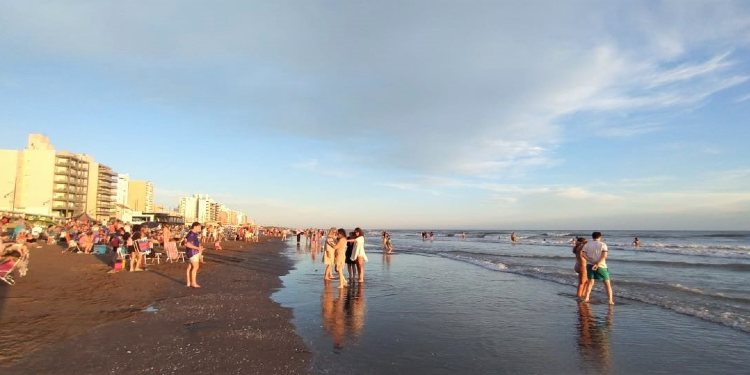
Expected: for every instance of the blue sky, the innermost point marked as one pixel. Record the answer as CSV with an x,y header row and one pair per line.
x,y
408,114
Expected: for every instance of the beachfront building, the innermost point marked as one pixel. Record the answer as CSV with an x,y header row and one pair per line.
x,y
188,208
141,195
100,190
228,216
204,209
39,180
207,209
121,196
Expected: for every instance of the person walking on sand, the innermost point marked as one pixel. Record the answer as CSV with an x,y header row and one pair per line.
x,y
580,267
194,251
596,253
340,256
358,254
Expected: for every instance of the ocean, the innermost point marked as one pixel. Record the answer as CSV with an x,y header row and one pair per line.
x,y
698,273
480,304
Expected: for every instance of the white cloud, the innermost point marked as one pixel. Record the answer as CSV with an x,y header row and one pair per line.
x,y
477,93
627,131
743,98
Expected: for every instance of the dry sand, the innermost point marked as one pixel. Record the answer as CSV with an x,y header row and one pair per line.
x,y
68,316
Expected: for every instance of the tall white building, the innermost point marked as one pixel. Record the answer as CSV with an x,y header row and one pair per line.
x,y
207,208
188,208
121,197
204,209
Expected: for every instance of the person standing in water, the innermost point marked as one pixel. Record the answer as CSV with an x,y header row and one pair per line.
x,y
636,243
513,237
340,256
388,244
350,264
328,256
580,267
596,253
358,254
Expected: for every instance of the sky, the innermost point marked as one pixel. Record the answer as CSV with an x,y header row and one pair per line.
x,y
400,114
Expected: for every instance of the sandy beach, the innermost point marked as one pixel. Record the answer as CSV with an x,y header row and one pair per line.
x,y
69,316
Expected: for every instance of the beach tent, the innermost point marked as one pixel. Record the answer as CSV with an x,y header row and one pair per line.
x,y
83,218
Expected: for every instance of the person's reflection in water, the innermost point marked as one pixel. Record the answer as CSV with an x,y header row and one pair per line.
x,y
386,261
594,338
355,309
343,313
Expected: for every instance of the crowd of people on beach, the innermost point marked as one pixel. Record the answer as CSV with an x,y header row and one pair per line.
x,y
125,246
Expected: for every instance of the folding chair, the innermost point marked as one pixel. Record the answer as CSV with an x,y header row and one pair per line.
x,y
172,253
7,268
144,246
122,252
73,247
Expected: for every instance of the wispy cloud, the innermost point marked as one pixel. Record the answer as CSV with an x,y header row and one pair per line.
x,y
313,166
426,94
626,131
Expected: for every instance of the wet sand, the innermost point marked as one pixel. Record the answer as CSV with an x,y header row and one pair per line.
x,y
69,316
420,314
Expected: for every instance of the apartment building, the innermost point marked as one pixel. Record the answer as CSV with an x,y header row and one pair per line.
x,y
141,196
39,180
123,180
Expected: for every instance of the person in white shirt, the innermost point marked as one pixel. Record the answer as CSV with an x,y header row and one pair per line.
x,y
358,254
596,253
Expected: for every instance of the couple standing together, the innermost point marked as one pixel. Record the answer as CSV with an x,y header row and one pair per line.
x,y
591,265
337,255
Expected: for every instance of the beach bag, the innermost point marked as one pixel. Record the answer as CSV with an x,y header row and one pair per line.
x,y
118,265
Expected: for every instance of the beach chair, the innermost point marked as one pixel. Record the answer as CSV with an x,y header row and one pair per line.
x,y
172,253
122,253
73,247
100,249
145,248
7,269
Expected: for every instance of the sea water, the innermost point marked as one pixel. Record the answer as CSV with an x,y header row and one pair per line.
x,y
479,304
702,274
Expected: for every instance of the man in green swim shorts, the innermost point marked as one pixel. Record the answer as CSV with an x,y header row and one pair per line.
x,y
596,253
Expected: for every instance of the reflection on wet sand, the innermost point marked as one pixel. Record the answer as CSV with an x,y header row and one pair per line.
x,y
343,311
386,261
594,338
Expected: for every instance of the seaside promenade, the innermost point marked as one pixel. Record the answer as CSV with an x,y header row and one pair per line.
x,y
69,316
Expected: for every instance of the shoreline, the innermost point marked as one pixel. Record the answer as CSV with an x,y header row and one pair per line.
x,y
426,314
68,311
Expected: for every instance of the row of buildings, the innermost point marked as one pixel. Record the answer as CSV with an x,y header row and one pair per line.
x,y
204,209
45,182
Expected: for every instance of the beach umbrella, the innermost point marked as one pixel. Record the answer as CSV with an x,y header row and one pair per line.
x,y
83,218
